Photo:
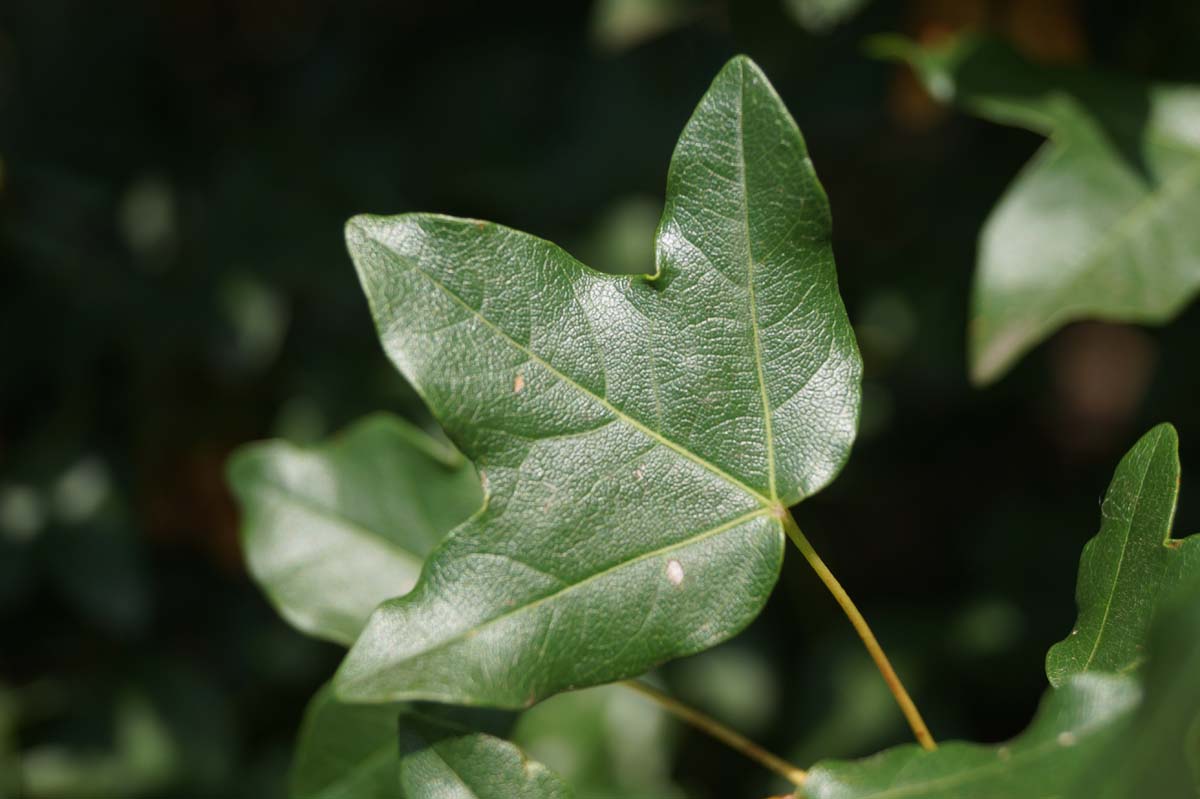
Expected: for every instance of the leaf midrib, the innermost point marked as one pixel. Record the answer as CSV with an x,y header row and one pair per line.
x,y
758,359
679,449
1112,592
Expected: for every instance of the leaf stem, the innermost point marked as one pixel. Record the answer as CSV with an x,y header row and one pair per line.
x,y
716,729
907,706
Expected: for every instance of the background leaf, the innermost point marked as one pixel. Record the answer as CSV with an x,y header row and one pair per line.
x,y
443,761
1099,223
638,438
346,751
606,742
1130,565
399,751
331,531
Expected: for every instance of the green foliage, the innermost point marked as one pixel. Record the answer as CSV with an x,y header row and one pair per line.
x,y
639,437
1073,725
384,751
332,531
441,760
639,440
1092,706
346,750
1158,750
1130,565
1100,223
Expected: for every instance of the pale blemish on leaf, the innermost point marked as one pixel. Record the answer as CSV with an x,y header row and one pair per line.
x,y
674,572
518,383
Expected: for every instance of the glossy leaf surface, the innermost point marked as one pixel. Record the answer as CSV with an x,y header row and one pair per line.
x,y
1101,223
1073,724
637,436
1130,565
332,531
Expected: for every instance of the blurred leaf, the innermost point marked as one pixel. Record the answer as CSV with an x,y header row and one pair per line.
x,y
606,742
622,240
441,760
346,751
143,762
1100,223
1073,723
733,683
622,24
822,16
395,750
331,531
640,435
1158,752
1130,565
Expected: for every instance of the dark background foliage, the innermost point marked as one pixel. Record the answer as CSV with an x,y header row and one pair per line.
x,y
174,178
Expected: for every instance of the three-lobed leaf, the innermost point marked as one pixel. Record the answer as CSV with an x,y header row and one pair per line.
x,y
639,437
1130,565
331,531
1100,224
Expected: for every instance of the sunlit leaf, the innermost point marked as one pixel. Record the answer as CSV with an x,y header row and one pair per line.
x,y
638,436
1100,224
1130,565
332,531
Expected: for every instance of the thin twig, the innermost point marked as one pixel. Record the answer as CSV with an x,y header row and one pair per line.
x,y
716,729
907,706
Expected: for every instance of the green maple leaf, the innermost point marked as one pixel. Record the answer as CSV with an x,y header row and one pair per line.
x,y
1100,224
332,531
639,437
1130,565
